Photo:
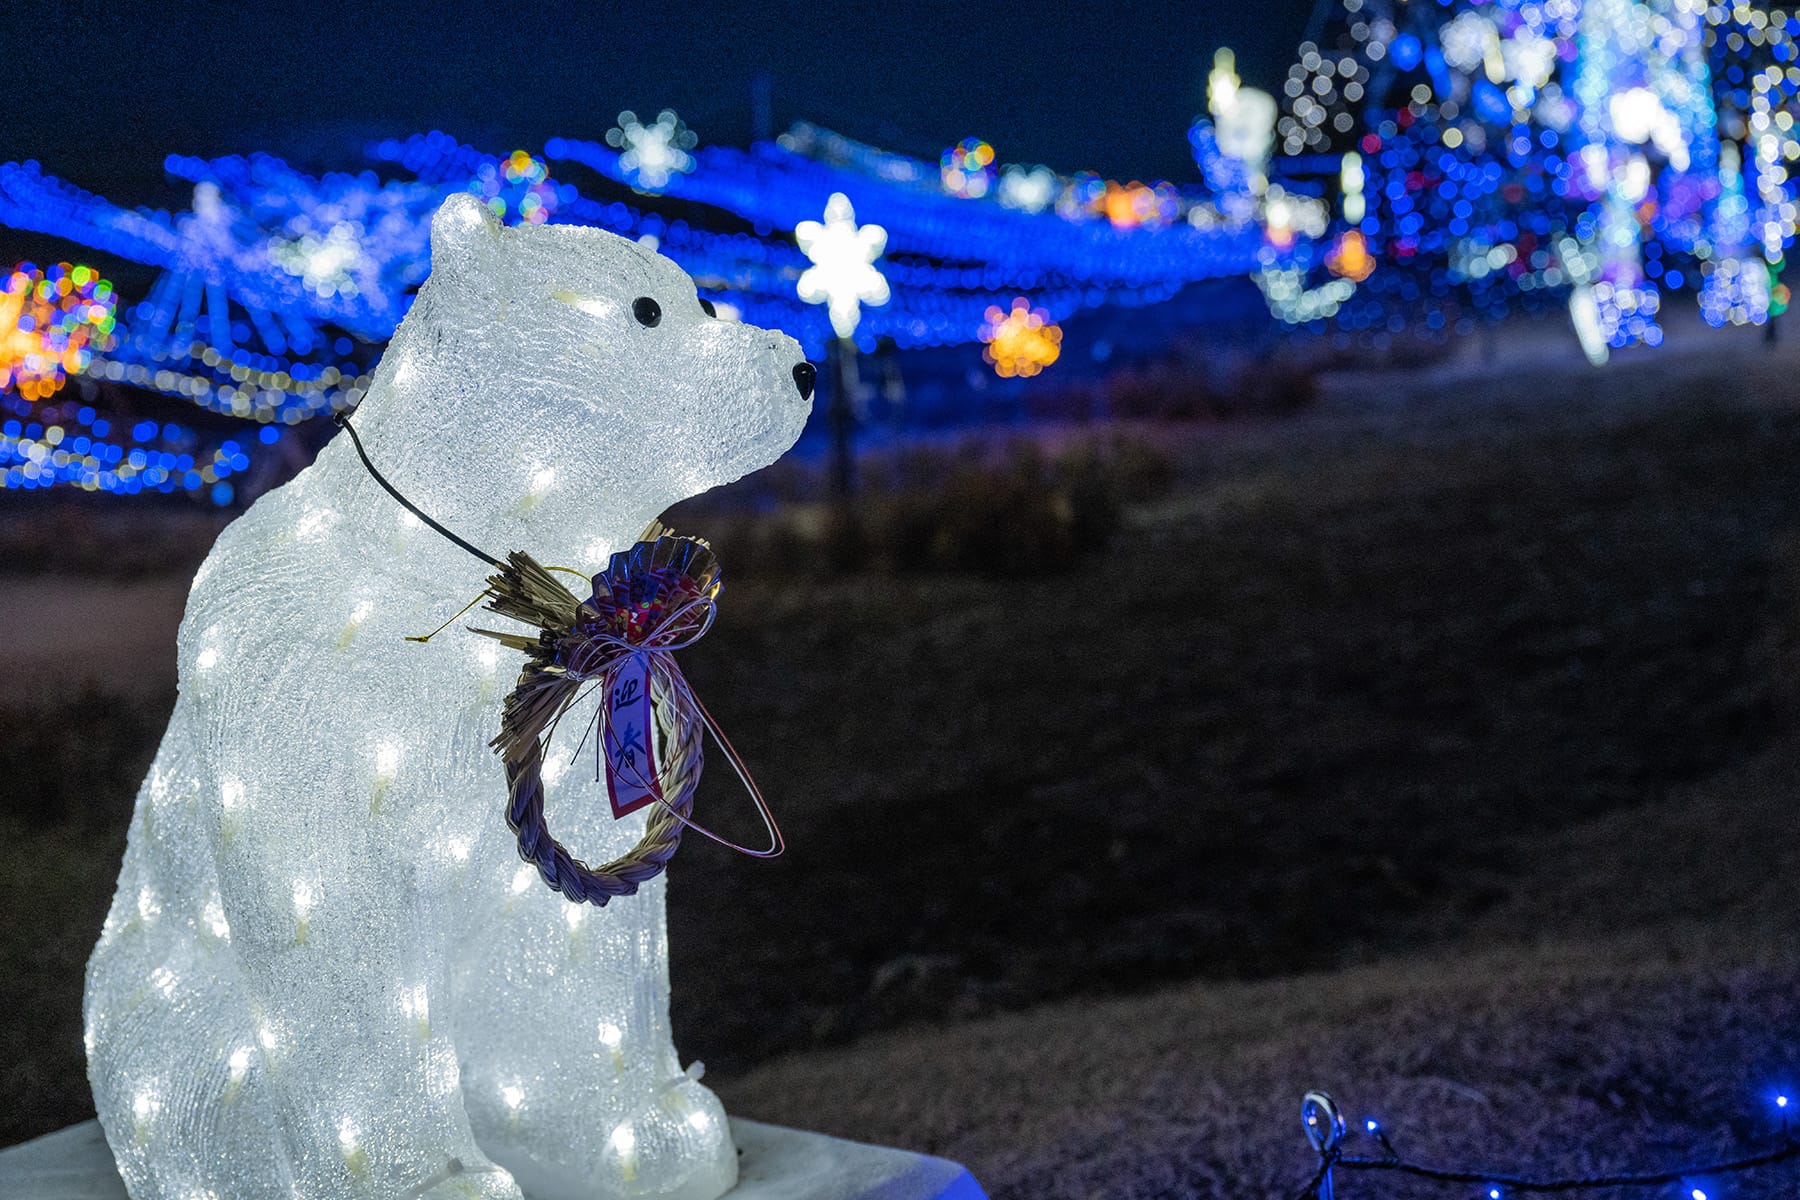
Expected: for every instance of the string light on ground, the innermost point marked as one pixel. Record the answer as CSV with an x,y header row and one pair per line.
x,y
1324,1126
73,446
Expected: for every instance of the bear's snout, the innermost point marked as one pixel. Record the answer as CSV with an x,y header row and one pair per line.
x,y
804,378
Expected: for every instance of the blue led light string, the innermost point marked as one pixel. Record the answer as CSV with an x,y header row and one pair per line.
x,y
1471,121
240,319
70,445
1326,1130
1456,80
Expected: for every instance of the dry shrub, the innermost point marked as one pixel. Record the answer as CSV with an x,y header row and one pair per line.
x,y
988,507
1189,391
1018,516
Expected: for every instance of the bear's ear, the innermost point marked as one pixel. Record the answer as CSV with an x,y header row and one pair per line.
x,y
462,228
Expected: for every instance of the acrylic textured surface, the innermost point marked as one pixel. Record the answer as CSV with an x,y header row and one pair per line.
x,y
326,973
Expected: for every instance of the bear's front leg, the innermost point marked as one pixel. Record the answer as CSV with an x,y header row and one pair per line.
x,y
326,752
346,987
416,1008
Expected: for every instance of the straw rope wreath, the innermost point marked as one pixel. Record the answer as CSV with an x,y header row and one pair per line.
x,y
651,600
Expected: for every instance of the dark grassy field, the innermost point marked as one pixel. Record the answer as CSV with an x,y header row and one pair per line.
x,y
1445,665
1325,703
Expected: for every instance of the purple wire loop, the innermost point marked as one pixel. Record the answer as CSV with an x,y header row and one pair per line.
x,y
605,636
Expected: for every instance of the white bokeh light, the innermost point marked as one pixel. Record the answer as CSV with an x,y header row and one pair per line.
x,y
651,155
1243,118
326,266
1469,39
1029,189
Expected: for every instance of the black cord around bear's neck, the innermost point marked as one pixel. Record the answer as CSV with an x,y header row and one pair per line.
x,y
343,422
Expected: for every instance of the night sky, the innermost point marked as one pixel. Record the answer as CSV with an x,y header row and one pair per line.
x,y
100,92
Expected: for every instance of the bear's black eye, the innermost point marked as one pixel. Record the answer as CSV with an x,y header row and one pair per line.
x,y
706,306
647,311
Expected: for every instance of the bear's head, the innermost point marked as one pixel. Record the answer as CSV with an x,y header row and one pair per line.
x,y
555,387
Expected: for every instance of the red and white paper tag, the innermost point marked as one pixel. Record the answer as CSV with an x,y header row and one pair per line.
x,y
631,775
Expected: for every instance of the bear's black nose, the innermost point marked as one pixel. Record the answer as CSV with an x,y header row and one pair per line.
x,y
804,375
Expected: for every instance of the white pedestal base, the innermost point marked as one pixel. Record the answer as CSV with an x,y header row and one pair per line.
x,y
776,1164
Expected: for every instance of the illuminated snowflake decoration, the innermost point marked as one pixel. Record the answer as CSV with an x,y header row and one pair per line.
x,y
324,265
1020,342
1029,189
51,321
843,276
651,155
967,169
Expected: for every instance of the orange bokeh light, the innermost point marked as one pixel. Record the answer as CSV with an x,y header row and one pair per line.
x,y
51,322
1020,342
1350,258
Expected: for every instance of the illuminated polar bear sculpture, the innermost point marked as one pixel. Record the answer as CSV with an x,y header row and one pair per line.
x,y
326,972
